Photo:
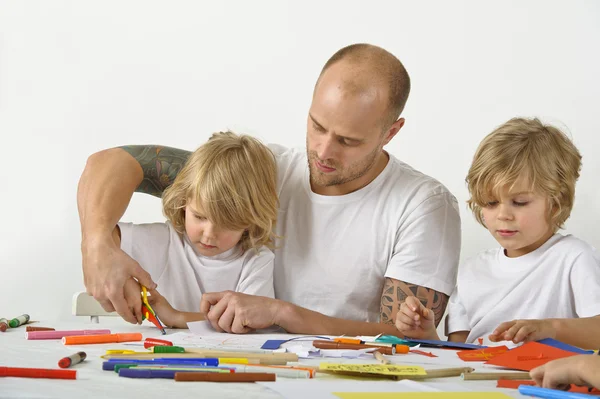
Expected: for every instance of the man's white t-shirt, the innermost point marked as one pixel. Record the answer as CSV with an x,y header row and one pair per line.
x,y
336,251
560,279
182,274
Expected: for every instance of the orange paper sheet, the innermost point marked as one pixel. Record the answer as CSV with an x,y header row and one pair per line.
x,y
482,355
529,356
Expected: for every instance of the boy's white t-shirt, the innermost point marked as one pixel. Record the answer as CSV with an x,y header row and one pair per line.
x,y
336,251
183,275
560,279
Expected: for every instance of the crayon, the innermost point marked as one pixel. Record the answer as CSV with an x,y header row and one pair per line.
x,y
60,334
101,339
19,321
37,373
72,360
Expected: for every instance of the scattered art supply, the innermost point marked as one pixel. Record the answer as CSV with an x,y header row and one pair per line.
x,y
4,325
550,393
101,339
151,342
72,360
287,372
167,349
482,355
528,356
373,370
449,372
38,373
380,358
563,346
386,350
19,321
63,333
392,339
32,328
444,344
517,375
235,377
420,352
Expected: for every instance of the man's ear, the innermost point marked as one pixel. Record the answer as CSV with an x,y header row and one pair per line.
x,y
393,130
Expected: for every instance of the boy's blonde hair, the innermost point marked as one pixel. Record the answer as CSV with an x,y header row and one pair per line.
x,y
233,178
526,148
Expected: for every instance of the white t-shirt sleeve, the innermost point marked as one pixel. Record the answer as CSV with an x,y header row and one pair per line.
x,y
585,283
427,245
256,277
148,244
457,318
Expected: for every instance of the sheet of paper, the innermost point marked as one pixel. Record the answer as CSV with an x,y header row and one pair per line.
x,y
528,356
421,395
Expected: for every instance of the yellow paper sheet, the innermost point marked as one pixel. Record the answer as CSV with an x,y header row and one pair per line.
x,y
382,369
421,395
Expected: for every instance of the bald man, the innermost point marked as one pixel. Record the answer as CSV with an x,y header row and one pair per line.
x,y
360,229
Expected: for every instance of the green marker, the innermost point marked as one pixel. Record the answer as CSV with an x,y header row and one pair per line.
x,y
168,349
19,321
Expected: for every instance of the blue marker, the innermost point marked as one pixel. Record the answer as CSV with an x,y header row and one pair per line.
x,y
551,393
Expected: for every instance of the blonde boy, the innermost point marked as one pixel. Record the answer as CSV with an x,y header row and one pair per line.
x,y
221,212
522,186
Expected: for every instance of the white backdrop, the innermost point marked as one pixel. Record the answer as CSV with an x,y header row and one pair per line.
x,y
77,77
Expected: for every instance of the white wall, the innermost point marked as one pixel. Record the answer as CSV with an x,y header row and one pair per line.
x,y
78,76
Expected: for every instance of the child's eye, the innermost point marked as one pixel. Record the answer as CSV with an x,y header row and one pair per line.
x,y
200,217
492,203
520,203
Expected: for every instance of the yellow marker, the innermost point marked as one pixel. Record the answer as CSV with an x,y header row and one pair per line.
x,y
123,352
233,360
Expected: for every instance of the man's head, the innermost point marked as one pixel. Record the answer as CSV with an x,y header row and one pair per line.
x,y
355,111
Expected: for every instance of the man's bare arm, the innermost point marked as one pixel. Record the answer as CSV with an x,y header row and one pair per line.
x,y
395,292
160,165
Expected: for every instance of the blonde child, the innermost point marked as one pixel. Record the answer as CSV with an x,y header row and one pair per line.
x,y
538,284
221,212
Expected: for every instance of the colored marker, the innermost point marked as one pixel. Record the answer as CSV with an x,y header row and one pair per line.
x,y
278,371
157,373
151,342
168,349
111,364
218,377
386,350
72,360
551,393
37,373
61,334
101,339
3,325
19,321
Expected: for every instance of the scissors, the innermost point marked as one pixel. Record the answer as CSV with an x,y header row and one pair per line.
x,y
148,312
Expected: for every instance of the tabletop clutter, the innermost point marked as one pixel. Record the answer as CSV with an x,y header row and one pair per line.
x,y
162,359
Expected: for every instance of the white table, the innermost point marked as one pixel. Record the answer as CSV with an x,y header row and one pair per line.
x,y
93,382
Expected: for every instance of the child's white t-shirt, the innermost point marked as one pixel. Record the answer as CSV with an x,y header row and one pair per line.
x,y
182,274
335,252
560,279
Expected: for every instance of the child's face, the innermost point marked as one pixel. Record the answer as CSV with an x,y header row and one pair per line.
x,y
519,220
208,239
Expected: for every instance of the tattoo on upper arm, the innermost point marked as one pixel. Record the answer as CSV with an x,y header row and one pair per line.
x,y
395,292
160,165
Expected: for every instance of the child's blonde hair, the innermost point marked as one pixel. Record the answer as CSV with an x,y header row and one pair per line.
x,y
526,148
233,178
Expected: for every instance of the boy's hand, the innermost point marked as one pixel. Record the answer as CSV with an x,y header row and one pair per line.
x,y
165,312
416,321
561,373
519,331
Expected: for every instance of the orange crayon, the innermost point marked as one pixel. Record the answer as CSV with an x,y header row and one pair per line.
x,y
101,339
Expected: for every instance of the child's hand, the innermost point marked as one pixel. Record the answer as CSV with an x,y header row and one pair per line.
x,y
163,309
416,321
519,331
580,370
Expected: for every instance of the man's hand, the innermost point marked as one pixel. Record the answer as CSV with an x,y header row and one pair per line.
x,y
108,272
416,321
519,331
239,313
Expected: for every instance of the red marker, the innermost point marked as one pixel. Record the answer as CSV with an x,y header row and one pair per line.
x,y
150,342
71,360
37,373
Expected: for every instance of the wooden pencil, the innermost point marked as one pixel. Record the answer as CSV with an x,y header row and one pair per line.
x,y
381,358
517,375
441,373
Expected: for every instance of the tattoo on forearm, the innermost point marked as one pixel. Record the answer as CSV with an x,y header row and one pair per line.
x,y
395,292
160,165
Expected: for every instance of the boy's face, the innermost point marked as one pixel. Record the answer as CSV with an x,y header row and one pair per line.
x,y
209,240
519,220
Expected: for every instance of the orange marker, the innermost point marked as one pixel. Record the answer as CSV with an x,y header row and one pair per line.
x,y
101,339
349,341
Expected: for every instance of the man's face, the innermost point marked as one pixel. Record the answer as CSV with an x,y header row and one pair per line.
x,y
346,132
